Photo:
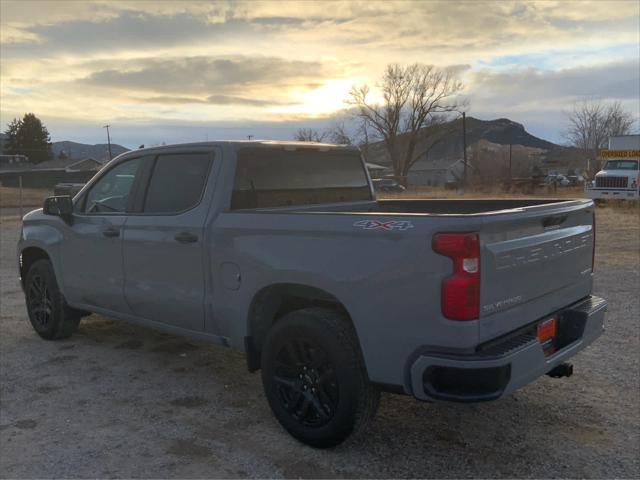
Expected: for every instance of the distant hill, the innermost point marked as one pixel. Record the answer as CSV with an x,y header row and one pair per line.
x,y
79,151
504,132
99,151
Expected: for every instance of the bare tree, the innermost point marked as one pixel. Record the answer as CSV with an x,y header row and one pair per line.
x,y
364,137
620,121
309,135
413,96
592,122
339,134
439,129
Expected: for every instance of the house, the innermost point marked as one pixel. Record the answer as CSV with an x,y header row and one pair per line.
x,y
49,173
70,165
8,160
57,164
437,173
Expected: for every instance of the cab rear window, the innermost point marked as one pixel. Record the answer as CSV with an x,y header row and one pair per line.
x,y
279,178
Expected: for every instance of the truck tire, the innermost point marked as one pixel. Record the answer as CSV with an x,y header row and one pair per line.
x,y
48,311
314,377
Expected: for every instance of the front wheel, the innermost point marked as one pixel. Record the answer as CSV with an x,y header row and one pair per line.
x,y
314,377
49,313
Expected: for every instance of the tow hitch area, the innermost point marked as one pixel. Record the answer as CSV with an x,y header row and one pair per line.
x,y
562,370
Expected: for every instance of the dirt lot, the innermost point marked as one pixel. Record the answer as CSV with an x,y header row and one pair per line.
x,y
122,401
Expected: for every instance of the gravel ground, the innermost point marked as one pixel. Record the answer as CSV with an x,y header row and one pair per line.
x,y
121,401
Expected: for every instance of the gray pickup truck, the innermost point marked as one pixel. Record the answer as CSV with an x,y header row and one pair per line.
x,y
281,249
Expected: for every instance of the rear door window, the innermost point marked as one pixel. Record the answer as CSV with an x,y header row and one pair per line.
x,y
177,182
277,177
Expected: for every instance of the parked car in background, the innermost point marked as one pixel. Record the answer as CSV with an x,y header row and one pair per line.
x,y
556,179
282,250
387,185
575,180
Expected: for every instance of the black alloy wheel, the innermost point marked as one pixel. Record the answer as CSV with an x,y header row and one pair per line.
x,y
39,301
306,382
314,377
49,314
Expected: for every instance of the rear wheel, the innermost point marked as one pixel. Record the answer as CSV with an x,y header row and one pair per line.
x,y
48,311
314,377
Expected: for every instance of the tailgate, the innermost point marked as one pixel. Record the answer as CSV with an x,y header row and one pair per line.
x,y
534,261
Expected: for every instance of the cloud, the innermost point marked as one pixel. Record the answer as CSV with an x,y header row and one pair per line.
x,y
125,31
431,27
231,100
215,77
213,100
539,99
227,61
525,86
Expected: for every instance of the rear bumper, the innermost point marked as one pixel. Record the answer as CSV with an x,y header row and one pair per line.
x,y
502,366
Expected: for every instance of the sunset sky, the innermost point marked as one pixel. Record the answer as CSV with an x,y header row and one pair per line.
x,y
187,71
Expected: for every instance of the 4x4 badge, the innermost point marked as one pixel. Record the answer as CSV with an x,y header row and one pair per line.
x,y
379,225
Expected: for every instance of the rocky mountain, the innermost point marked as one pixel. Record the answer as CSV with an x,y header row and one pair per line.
x,y
504,132
440,146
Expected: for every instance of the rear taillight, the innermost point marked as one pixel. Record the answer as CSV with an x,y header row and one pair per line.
x,y
460,291
593,247
546,333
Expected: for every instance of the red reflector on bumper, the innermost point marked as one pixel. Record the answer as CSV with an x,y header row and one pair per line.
x,y
547,330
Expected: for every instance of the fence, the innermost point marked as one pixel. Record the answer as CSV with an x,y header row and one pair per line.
x,y
44,178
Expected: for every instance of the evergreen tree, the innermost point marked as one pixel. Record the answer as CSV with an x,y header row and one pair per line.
x,y
11,143
28,137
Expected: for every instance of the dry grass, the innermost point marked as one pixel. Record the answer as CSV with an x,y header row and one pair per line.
x,y
485,192
31,197
618,235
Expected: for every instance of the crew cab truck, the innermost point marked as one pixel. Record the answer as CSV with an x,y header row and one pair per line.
x,y
620,175
281,249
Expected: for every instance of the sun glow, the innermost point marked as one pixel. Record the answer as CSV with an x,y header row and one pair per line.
x,y
323,100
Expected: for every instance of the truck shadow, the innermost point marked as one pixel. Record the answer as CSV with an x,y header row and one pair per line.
x,y
208,390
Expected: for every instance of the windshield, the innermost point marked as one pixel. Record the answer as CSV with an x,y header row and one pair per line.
x,y
621,165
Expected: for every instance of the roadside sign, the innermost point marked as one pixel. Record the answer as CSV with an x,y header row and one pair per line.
x,y
619,153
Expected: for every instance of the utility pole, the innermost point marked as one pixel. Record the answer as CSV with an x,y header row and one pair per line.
x,y
510,149
464,149
108,141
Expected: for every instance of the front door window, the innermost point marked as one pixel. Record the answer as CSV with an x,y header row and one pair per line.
x,y
110,194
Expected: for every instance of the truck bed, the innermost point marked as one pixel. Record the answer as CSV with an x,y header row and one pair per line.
x,y
536,254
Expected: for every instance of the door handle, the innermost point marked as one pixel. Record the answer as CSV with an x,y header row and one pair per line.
x,y
186,237
111,232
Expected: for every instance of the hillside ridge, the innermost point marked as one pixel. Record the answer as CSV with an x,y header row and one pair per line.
x,y
79,151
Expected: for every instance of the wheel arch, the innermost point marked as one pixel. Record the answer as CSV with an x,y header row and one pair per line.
x,y
273,302
28,256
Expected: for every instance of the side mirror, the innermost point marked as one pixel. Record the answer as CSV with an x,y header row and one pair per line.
x,y
60,206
